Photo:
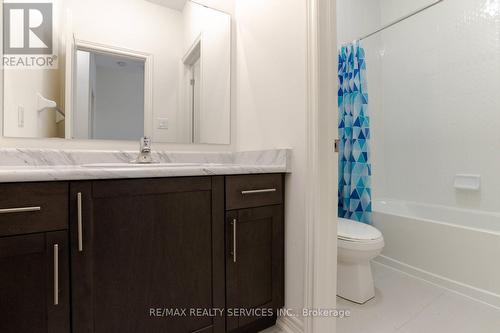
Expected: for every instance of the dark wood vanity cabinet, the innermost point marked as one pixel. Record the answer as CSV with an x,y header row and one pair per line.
x,y
34,265
29,283
142,255
147,244
254,251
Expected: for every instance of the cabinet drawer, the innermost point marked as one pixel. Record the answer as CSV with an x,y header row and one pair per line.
x,y
33,207
253,191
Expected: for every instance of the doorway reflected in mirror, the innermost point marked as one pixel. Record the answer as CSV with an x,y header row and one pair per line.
x,y
109,97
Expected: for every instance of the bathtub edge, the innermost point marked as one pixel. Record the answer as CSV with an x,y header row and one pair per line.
x,y
477,294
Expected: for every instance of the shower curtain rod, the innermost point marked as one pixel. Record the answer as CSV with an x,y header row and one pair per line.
x,y
398,21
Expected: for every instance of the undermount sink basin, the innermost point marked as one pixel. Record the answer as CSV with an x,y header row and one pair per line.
x,y
140,165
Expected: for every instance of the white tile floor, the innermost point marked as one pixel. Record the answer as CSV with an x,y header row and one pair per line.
x,y
405,304
273,329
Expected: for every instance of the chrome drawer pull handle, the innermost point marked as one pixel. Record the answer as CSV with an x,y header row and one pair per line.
x,y
20,210
267,190
80,222
234,240
56,274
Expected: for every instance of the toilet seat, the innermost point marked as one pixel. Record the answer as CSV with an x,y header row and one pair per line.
x,y
361,246
353,231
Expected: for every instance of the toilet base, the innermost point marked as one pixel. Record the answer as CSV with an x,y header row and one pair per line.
x,y
355,281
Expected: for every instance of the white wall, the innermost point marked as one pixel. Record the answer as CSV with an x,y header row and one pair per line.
x,y
271,104
356,18
441,78
392,10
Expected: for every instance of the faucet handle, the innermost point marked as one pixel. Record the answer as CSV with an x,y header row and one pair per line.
x,y
145,155
145,144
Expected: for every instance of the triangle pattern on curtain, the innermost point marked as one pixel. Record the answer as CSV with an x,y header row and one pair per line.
x,y
354,194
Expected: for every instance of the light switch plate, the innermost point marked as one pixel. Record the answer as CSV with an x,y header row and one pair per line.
x,y
162,123
20,116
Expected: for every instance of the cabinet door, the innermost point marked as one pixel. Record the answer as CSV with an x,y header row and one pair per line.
x,y
147,244
254,263
34,288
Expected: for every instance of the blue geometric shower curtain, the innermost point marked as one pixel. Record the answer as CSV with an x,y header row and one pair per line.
x,y
354,132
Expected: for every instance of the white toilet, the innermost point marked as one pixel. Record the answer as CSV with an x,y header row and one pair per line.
x,y
358,243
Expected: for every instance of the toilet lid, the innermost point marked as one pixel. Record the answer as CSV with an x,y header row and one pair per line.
x,y
349,229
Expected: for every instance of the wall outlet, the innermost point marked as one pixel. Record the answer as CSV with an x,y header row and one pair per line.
x,y
162,123
20,116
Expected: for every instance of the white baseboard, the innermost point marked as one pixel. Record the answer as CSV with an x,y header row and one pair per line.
x,y
290,324
477,294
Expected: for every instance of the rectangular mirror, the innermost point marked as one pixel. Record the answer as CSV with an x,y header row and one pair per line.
x,y
117,70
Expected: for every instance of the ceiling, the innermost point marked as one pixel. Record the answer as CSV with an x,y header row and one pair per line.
x,y
114,61
172,4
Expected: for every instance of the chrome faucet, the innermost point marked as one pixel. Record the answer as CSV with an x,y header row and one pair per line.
x,y
145,151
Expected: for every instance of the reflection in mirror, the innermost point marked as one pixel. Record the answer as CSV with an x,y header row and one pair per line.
x,y
109,100
31,98
126,69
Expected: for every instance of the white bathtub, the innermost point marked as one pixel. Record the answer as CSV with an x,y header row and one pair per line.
x,y
456,248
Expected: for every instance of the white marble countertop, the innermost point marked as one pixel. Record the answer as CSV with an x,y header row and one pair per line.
x,y
28,165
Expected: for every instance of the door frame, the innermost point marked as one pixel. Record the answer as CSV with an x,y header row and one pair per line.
x,y
91,46
195,71
193,55
321,191
320,266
